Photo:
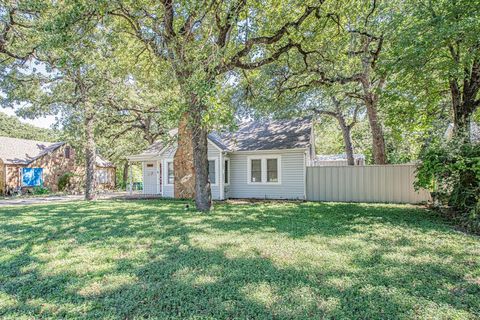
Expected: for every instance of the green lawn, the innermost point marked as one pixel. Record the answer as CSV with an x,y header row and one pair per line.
x,y
137,259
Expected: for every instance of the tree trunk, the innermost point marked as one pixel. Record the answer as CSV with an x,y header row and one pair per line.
x,y
370,99
347,139
125,174
465,102
89,157
183,168
378,142
461,124
461,114
203,194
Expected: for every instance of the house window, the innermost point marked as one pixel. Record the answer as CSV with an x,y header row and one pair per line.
x,y
212,172
67,152
264,169
256,170
272,170
149,165
170,174
102,176
226,172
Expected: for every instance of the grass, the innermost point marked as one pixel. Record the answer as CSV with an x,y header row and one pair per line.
x,y
137,259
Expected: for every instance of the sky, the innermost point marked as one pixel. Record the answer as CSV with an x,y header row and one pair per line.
x,y
44,122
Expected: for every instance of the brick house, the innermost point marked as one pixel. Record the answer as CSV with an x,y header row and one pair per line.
x,y
53,160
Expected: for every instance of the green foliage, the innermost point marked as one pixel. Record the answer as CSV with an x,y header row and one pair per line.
x,y
288,260
40,190
64,181
452,172
11,126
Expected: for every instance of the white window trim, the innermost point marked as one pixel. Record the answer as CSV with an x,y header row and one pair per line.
x,y
263,159
216,172
228,172
165,172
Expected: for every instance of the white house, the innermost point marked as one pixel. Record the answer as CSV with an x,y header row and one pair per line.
x,y
474,132
336,160
259,160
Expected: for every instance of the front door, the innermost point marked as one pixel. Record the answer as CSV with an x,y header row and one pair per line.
x,y
150,178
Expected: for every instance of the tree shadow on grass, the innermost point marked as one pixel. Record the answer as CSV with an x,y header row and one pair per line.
x,y
187,281
301,219
176,274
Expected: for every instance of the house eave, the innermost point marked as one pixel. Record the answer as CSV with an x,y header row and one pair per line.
x,y
143,157
270,150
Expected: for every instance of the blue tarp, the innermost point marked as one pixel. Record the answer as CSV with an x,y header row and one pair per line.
x,y
32,177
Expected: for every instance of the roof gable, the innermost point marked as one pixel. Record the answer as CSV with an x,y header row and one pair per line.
x,y
22,151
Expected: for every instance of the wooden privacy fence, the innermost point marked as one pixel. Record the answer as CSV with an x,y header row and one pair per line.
x,y
377,183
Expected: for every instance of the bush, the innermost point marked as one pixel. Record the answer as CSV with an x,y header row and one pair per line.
x,y
40,190
64,181
452,173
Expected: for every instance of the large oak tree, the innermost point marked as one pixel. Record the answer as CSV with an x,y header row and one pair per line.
x,y
201,41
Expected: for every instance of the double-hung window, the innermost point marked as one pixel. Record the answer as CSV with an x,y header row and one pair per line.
x,y
256,170
212,171
226,172
265,169
272,170
170,173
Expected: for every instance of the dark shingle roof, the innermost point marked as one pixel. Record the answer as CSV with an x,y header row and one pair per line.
x,y
273,135
254,136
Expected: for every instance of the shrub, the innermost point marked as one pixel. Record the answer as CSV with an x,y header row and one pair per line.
x,y
452,173
40,190
64,181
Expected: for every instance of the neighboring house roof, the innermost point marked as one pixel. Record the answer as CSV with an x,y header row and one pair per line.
x,y
253,136
102,162
24,152
474,132
334,157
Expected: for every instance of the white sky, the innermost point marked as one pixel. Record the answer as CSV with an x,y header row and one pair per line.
x,y
44,122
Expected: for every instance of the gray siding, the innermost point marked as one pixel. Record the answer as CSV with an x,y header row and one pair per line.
x,y
292,178
168,191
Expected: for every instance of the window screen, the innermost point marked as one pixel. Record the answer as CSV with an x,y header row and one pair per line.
x,y
226,171
170,174
211,172
67,152
272,170
256,170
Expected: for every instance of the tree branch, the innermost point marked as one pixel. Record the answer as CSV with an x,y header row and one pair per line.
x,y
235,60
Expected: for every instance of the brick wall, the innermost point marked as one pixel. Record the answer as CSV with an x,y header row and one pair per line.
x,y
2,177
55,165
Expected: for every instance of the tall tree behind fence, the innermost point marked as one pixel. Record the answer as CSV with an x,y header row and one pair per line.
x,y
377,183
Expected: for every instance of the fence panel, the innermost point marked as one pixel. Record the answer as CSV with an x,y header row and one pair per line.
x,y
377,183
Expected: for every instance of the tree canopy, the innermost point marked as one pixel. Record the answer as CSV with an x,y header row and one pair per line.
x,y
11,126
392,74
